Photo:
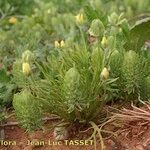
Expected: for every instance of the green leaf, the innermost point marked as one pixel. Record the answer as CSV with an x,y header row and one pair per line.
x,y
93,14
4,78
138,35
27,110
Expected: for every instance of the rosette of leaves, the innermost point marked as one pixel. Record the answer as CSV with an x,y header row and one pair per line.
x,y
72,87
134,70
27,110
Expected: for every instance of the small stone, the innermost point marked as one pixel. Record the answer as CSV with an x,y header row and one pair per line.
x,y
60,133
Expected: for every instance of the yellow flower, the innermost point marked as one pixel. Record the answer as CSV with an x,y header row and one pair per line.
x,y
59,44
105,74
104,42
13,20
56,44
26,69
62,43
48,11
79,18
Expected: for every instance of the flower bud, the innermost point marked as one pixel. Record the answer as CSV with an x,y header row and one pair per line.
x,y
97,28
125,26
104,42
70,87
72,76
13,20
105,74
57,45
79,18
26,69
62,43
27,56
113,18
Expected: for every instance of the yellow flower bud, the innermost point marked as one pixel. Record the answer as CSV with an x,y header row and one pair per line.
x,y
13,20
105,74
27,56
79,18
56,44
104,42
62,43
48,11
26,69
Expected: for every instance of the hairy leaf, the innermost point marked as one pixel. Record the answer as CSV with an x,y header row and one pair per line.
x,y
138,35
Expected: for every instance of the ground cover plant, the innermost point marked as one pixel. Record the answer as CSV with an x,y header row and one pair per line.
x,y
72,59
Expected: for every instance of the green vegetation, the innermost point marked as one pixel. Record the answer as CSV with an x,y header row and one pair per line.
x,y
71,58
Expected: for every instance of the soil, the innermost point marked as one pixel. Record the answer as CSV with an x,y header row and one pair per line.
x,y
22,139
130,135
